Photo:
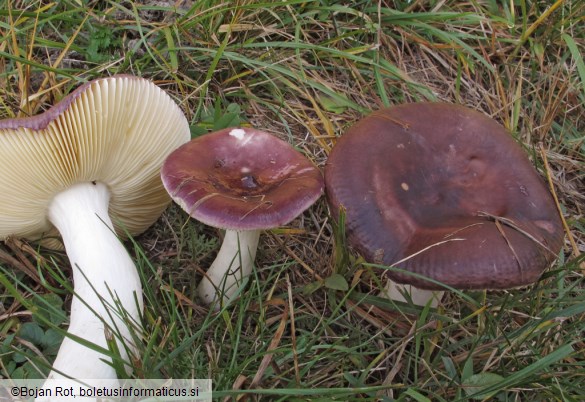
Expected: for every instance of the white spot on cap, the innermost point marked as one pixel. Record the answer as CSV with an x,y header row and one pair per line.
x,y
404,186
245,170
238,133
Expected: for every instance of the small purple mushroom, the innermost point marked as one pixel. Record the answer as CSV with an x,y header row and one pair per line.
x,y
242,180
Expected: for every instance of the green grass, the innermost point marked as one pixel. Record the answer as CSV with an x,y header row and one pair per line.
x,y
306,71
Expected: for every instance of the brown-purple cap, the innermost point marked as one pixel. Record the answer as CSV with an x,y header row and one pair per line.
x,y
445,192
241,179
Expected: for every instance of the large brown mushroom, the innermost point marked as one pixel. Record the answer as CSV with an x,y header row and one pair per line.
x,y
89,167
242,180
444,192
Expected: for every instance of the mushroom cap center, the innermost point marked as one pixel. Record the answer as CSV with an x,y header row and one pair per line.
x,y
234,177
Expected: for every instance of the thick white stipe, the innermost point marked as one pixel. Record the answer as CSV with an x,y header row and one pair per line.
x,y
103,276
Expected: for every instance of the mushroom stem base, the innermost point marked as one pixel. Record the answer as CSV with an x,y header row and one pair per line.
x,y
108,293
231,267
420,297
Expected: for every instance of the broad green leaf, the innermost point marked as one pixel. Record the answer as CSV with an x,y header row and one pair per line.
x,y
48,307
336,282
32,332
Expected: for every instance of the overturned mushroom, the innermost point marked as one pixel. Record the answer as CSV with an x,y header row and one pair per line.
x,y
94,155
443,192
242,180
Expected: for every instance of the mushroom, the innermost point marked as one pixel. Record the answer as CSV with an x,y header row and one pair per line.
x,y
242,180
89,167
445,193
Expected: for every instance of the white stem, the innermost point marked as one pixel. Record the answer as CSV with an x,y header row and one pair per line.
x,y
420,297
104,277
225,276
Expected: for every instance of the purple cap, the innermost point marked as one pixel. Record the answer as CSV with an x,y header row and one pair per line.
x,y
445,192
241,179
